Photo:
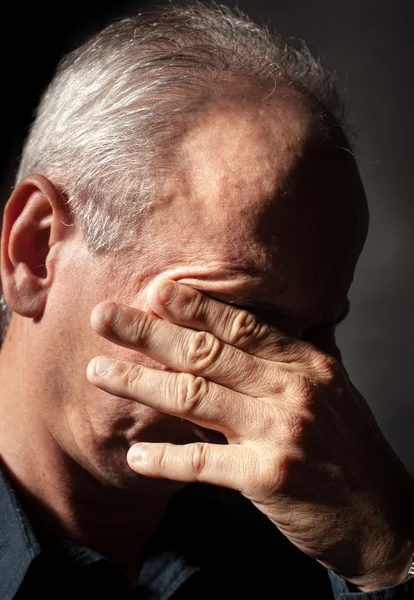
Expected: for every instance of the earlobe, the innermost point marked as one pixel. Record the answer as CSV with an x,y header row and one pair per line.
x,y
32,225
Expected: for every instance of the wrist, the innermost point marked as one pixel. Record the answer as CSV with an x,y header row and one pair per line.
x,y
390,574
388,555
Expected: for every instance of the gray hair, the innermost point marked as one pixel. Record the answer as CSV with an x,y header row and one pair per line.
x,y
106,127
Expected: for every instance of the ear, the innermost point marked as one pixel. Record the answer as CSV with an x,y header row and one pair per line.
x,y
33,224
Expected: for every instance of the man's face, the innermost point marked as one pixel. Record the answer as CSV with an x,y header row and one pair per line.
x,y
258,213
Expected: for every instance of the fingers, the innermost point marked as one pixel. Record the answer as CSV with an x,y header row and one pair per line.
x,y
180,348
189,307
210,463
180,394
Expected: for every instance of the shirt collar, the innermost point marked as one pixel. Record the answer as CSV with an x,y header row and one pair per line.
x,y
172,557
162,573
18,543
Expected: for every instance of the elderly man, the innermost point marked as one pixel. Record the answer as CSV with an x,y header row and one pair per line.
x,y
176,420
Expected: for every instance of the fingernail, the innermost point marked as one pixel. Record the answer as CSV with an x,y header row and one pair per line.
x,y
111,314
103,366
167,292
138,454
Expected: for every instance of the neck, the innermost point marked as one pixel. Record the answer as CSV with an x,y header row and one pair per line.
x,y
59,495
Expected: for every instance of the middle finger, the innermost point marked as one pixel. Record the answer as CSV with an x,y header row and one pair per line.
x,y
181,348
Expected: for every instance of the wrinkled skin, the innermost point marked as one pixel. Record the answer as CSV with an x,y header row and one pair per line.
x,y
302,444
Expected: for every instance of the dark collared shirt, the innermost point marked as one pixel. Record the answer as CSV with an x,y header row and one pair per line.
x,y
211,544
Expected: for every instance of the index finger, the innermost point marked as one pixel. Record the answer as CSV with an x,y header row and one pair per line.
x,y
187,306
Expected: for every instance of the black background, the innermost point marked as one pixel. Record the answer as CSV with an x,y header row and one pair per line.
x,y
371,46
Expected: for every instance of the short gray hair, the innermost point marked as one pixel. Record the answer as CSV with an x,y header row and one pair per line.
x,y
106,127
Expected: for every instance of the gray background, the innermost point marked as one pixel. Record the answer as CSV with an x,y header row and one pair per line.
x,y
370,46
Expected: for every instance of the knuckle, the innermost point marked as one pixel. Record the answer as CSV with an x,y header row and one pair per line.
x,y
309,389
306,395
299,430
327,367
138,328
295,428
198,458
278,473
265,476
131,376
203,351
245,328
263,417
302,388
333,370
189,304
268,470
298,351
160,459
288,468
191,391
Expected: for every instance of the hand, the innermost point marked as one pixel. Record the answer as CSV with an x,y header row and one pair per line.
x,y
303,445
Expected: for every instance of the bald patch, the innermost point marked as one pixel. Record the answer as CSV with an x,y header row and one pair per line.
x,y
243,150
260,200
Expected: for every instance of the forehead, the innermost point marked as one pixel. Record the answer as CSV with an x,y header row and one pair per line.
x,y
230,170
248,212
243,150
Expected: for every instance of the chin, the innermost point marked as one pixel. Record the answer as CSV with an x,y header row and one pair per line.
x,y
125,423
124,480
110,466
